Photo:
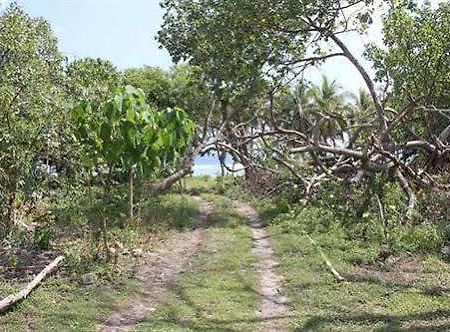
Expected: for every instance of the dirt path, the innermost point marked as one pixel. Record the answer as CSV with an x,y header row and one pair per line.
x,y
273,309
158,270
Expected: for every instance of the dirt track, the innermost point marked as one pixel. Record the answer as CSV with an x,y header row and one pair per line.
x,y
273,309
158,270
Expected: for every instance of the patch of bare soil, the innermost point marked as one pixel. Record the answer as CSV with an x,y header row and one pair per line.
x,y
273,308
21,265
404,271
158,271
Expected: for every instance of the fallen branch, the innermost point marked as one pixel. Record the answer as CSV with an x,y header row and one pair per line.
x,y
185,169
22,225
10,300
324,258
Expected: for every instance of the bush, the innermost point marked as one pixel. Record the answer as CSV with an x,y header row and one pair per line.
x,y
42,237
423,238
355,216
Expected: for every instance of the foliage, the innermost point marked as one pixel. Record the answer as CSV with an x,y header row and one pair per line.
x,y
182,87
416,48
314,135
233,40
414,59
154,82
91,79
42,237
125,132
31,115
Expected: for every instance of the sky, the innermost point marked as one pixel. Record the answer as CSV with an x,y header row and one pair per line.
x,y
123,31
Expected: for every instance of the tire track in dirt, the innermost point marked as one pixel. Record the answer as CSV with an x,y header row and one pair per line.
x,y
273,310
158,271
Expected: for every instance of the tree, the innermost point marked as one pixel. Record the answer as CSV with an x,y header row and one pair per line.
x,y
154,82
182,87
414,65
31,100
238,43
126,133
91,79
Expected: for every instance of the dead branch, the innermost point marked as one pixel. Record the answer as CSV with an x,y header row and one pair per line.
x,y
10,300
409,192
324,258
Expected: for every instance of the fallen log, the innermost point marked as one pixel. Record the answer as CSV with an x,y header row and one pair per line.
x,y
12,299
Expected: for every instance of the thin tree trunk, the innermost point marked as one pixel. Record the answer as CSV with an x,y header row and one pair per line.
x,y
324,258
130,194
104,225
383,220
105,237
9,221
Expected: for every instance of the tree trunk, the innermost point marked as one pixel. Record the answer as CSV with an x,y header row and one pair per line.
x,y
130,194
185,169
9,218
168,182
105,238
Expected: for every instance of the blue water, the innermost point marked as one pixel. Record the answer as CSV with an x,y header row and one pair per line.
x,y
209,165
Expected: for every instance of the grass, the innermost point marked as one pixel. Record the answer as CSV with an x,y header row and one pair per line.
x,y
87,289
60,304
407,291
216,291
367,301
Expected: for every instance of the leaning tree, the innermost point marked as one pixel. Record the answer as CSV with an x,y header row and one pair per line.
x,y
249,50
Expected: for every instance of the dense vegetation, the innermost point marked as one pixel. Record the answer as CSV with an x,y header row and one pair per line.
x,y
93,162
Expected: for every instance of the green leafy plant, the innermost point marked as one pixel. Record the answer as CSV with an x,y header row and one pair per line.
x,y
126,134
42,237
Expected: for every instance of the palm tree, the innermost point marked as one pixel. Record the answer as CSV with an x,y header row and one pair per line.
x,y
330,109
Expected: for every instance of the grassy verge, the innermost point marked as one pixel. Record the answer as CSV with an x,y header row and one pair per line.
x,y
86,289
407,292
216,291
404,290
61,304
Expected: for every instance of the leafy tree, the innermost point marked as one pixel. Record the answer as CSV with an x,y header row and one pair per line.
x,y
91,79
154,82
254,47
126,133
30,110
183,86
414,63
330,108
416,49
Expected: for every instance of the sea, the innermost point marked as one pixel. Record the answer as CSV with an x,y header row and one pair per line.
x,y
209,165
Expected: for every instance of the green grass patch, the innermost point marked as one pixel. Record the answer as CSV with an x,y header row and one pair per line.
x,y
87,289
60,304
217,289
404,292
